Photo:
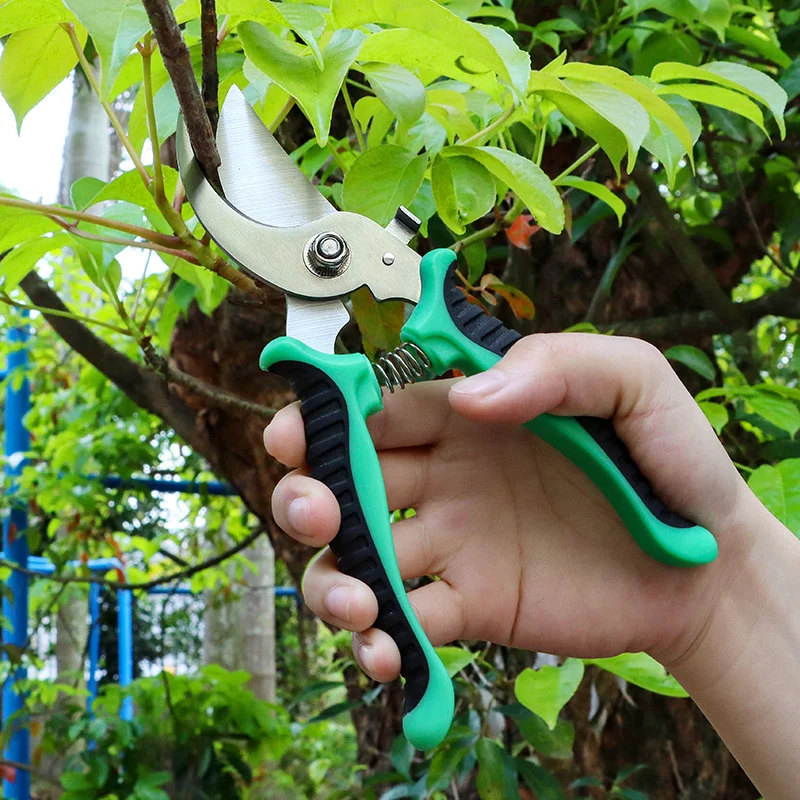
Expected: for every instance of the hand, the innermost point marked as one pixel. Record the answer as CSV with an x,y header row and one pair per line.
x,y
529,553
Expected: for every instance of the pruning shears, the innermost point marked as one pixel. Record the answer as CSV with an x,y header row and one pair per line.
x,y
280,229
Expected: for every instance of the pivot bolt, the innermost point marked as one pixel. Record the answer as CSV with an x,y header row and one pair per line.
x,y
327,255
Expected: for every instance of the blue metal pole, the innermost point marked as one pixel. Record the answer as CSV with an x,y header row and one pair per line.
x,y
167,486
125,647
94,642
15,546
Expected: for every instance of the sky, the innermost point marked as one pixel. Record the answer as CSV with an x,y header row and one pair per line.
x,y
30,164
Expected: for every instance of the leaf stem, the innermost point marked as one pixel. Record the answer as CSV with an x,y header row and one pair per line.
x,y
517,207
5,298
281,115
491,128
113,118
351,111
578,161
68,213
337,157
146,51
148,313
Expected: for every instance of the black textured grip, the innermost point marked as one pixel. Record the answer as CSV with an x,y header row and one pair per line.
x,y
327,426
490,333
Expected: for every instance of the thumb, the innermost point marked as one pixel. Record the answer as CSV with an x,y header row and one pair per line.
x,y
626,380
574,374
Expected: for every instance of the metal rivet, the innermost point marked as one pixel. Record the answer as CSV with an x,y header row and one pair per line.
x,y
388,259
327,255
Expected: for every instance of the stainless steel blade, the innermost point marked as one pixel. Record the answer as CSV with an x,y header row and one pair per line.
x,y
255,171
378,259
257,175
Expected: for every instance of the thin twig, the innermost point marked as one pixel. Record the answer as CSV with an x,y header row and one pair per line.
x,y
209,40
178,575
178,63
146,52
110,113
5,298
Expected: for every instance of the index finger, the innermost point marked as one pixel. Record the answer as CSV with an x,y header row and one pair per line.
x,y
413,417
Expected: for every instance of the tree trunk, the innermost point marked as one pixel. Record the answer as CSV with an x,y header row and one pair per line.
x,y
258,619
87,152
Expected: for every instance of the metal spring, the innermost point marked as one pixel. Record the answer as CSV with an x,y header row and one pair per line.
x,y
403,365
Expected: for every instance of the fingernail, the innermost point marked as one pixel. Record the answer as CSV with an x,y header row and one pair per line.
x,y
360,648
337,601
297,514
483,385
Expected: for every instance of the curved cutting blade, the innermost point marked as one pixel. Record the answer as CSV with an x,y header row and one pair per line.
x,y
274,189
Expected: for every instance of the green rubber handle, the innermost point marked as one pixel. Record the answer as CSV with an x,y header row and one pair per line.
x,y
442,325
337,394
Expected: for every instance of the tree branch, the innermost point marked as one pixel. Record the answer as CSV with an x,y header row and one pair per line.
x,y
704,282
179,66
782,303
178,575
208,33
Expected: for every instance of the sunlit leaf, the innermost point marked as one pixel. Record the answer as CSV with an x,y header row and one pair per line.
x,y
299,73
455,659
18,15
778,488
598,190
716,414
547,690
400,90
33,63
641,670
524,177
115,26
463,190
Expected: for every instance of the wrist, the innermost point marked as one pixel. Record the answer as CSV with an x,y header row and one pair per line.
x,y
754,590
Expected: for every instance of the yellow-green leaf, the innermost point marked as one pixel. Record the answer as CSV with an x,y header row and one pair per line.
x,y
547,690
778,488
23,258
716,414
115,26
641,670
616,204
441,24
717,96
737,77
524,177
33,63
299,73
18,15
463,190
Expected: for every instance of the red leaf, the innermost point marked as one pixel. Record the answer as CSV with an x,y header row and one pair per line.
x,y
12,532
521,230
8,773
120,574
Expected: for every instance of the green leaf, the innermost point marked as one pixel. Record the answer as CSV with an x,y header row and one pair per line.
x,y
663,143
547,690
617,108
524,177
644,94
379,323
790,80
539,780
15,229
426,55
381,180
557,743
598,190
299,74
115,26
443,765
33,63
463,189
475,256
84,189
402,754
400,90
480,46
716,414
496,773
737,77
455,659
717,96
758,43
694,358
776,410
18,15
641,670
665,45
778,488
23,258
